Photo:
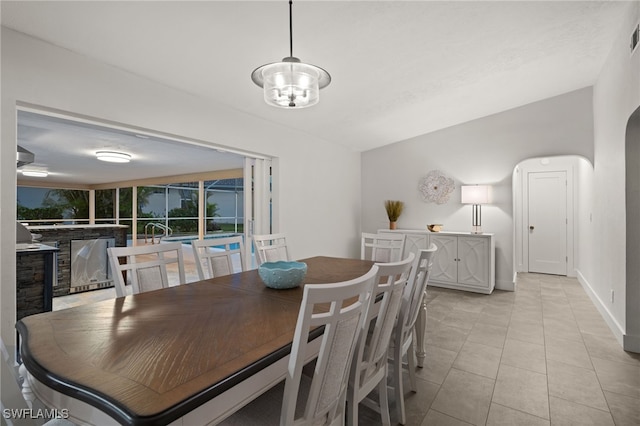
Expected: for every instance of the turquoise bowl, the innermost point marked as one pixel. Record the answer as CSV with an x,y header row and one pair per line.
x,y
281,275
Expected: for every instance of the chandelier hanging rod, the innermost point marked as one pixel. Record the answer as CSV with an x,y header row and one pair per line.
x,y
290,28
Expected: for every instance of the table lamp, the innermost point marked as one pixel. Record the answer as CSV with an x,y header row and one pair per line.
x,y
475,195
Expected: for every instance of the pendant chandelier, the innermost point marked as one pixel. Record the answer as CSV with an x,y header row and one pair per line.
x,y
291,83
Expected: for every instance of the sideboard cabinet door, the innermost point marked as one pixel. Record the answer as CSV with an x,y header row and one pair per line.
x,y
464,261
473,261
445,261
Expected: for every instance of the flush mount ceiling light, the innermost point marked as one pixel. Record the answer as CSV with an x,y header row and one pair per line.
x,y
291,83
35,172
113,156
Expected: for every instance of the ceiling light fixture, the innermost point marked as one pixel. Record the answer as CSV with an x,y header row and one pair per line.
x,y
113,156
35,172
291,83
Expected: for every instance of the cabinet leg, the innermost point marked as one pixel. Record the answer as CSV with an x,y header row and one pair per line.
x,y
420,329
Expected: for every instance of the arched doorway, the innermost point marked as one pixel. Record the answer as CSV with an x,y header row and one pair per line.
x,y
632,162
577,172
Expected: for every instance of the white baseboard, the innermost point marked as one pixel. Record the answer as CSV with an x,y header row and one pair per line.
x,y
505,285
614,325
631,343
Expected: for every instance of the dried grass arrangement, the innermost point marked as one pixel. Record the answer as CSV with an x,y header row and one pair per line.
x,y
394,209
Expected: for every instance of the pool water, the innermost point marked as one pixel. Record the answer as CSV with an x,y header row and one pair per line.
x,y
186,239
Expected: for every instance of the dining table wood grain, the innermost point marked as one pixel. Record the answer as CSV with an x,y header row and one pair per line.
x,y
152,357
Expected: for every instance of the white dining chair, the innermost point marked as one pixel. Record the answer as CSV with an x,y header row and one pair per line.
x,y
271,247
402,342
382,247
370,367
317,398
145,266
219,256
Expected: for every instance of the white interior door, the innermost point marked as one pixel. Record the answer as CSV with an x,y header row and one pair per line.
x,y
547,222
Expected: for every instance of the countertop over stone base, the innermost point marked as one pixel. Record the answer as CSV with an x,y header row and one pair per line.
x,y
86,226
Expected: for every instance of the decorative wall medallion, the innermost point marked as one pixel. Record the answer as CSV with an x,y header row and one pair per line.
x,y
435,187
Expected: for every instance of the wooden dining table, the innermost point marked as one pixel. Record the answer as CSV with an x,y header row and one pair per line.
x,y
184,355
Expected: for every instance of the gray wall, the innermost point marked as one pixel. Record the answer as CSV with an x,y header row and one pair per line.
x,y
483,151
616,96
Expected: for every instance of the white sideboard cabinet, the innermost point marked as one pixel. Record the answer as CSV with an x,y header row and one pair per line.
x,y
464,261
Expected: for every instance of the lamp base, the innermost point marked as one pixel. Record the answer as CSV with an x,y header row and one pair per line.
x,y
476,219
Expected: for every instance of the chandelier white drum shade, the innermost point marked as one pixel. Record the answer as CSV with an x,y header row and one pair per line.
x,y
291,83
476,195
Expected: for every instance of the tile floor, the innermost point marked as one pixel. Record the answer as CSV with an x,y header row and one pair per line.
x,y
542,355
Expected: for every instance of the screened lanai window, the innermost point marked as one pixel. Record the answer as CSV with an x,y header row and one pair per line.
x,y
105,205
173,205
44,206
182,208
226,198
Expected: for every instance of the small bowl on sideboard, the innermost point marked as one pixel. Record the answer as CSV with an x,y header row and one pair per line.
x,y
436,227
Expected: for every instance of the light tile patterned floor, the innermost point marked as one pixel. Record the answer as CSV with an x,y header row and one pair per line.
x,y
542,355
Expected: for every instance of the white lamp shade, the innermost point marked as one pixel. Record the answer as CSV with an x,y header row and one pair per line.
x,y
475,194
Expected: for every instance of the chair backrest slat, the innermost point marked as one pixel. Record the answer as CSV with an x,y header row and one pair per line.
x,y
414,291
382,247
218,256
145,266
271,247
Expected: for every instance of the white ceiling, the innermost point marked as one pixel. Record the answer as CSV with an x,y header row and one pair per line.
x,y
66,149
399,68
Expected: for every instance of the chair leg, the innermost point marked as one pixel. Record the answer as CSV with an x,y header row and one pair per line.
x,y
411,361
352,411
397,384
384,402
400,402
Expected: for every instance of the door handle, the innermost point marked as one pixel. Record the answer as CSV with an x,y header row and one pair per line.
x,y
530,228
